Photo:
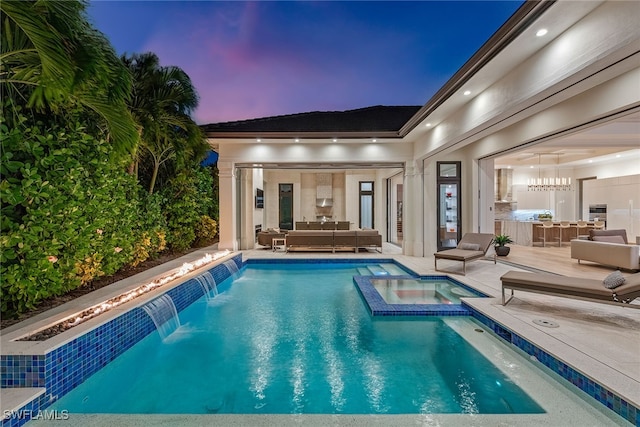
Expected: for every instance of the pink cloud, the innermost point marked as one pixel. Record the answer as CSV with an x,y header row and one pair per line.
x,y
243,68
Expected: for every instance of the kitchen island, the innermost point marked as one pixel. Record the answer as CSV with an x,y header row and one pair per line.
x,y
526,233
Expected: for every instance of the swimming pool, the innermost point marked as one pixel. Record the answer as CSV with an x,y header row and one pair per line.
x,y
298,339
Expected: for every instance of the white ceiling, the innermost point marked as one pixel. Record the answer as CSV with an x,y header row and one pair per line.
x,y
619,137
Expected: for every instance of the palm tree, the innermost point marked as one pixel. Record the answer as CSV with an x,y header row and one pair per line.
x,y
51,58
161,102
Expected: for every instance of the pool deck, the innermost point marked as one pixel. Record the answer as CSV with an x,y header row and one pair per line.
x,y
599,340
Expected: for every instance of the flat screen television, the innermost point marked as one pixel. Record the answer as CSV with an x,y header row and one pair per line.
x,y
259,199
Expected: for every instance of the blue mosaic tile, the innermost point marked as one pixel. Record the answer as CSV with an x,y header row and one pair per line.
x,y
322,261
26,413
379,307
65,367
605,396
22,371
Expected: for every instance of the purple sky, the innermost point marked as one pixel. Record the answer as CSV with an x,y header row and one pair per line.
x,y
258,59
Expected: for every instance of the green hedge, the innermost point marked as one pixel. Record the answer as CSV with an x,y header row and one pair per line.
x,y
69,214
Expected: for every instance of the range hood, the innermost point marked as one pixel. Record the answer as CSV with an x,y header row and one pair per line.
x,y
324,203
503,185
324,190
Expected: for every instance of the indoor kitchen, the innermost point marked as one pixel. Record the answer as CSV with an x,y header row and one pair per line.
x,y
558,190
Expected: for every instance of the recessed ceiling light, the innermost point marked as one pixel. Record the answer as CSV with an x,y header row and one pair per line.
x,y
617,155
297,139
335,139
428,125
467,92
530,167
375,140
590,161
541,32
259,140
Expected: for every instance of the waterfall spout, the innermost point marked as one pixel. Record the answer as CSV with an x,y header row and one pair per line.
x,y
231,266
163,312
208,284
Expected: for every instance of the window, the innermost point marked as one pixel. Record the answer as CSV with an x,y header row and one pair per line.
x,y
285,221
259,198
449,209
366,204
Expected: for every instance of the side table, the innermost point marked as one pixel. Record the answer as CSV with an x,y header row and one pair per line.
x,y
277,242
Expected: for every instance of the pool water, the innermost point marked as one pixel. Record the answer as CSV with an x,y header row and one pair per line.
x,y
420,291
287,339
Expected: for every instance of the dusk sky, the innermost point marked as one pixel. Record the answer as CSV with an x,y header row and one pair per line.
x,y
267,58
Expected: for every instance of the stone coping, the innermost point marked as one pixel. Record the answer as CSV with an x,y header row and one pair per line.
x,y
8,340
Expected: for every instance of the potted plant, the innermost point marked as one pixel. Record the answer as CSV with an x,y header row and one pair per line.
x,y
546,216
500,242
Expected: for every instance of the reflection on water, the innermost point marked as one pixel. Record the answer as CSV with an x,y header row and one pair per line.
x,y
299,340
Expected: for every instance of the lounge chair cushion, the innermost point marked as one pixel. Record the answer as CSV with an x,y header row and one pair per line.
x,y
571,286
600,233
459,254
469,246
613,280
609,239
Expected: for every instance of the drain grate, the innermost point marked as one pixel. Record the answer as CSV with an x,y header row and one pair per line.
x,y
546,323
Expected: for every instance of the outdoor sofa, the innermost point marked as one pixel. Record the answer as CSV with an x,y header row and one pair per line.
x,y
607,247
311,240
322,225
265,238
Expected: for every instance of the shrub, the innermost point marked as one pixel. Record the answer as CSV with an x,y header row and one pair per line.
x,y
68,212
205,187
181,210
206,231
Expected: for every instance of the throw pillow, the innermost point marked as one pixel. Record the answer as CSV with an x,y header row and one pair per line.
x,y
613,280
609,239
469,246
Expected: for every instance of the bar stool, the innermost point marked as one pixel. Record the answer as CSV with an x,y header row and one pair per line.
x,y
564,225
598,225
582,226
546,225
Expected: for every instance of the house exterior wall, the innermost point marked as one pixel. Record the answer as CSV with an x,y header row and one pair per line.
x,y
582,76
586,74
576,61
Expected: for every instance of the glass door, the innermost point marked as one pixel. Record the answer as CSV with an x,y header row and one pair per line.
x,y
285,219
366,205
394,211
449,232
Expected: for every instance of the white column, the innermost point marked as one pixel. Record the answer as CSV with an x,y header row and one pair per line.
x,y
247,225
483,197
413,241
227,203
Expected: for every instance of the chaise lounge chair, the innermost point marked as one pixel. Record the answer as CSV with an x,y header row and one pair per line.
x,y
472,246
572,287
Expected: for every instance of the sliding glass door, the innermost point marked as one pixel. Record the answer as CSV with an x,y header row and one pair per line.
x,y
449,209
285,218
366,204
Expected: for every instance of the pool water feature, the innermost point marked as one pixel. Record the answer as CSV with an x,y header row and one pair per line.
x,y
208,284
298,339
163,312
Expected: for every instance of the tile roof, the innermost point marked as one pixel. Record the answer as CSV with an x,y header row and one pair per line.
x,y
378,118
